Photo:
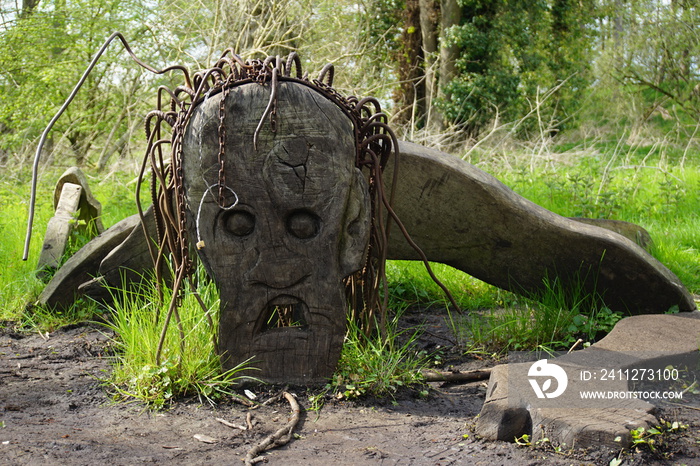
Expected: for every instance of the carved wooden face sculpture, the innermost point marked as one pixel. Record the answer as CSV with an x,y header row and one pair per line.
x,y
300,225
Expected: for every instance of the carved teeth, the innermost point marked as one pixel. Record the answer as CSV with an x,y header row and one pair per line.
x,y
284,311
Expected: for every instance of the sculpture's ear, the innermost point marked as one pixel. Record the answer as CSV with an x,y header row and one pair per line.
x,y
356,226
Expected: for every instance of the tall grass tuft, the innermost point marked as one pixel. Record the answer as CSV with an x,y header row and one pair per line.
x,y
375,365
188,367
553,320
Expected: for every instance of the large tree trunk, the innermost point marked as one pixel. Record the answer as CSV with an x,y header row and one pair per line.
x,y
410,96
429,13
28,7
451,15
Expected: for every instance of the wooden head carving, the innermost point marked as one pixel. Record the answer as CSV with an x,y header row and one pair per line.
x,y
293,222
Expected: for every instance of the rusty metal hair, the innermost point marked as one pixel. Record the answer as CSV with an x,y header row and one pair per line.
x,y
375,142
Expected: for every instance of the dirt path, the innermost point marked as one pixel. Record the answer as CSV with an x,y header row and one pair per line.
x,y
53,410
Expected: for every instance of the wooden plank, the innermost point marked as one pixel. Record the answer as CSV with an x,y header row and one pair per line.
x,y
59,228
63,289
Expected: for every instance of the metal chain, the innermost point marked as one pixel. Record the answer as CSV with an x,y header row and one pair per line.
x,y
222,145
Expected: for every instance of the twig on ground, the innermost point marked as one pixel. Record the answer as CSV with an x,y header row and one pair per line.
x,y
578,342
275,398
279,438
249,420
681,406
231,424
465,376
244,401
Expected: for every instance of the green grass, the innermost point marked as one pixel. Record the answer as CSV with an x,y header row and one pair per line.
x,y
188,366
377,365
18,282
554,320
410,283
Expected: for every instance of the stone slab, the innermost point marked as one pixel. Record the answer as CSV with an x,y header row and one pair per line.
x,y
652,342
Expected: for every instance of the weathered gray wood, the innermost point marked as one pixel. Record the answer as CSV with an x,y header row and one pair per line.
x,y
62,290
59,228
650,342
89,207
128,264
629,230
466,218
301,226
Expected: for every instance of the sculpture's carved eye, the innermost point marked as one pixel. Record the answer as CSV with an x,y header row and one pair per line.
x,y
303,224
239,223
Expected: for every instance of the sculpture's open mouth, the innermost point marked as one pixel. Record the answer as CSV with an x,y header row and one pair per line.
x,y
283,312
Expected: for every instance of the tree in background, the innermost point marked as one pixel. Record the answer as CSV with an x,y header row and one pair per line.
x,y
511,53
462,64
44,48
469,62
653,46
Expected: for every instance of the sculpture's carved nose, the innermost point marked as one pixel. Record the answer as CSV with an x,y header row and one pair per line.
x,y
279,272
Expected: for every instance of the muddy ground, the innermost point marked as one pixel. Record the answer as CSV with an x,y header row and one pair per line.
x,y
54,409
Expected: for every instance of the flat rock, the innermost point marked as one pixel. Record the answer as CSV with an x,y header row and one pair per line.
x,y
636,345
466,218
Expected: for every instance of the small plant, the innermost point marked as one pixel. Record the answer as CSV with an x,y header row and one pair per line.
x,y
523,440
377,365
188,366
654,438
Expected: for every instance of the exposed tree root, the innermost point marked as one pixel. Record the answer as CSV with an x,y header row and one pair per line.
x,y
279,438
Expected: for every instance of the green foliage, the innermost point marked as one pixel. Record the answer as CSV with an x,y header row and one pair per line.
x,y
410,283
188,366
18,282
377,365
509,52
655,438
44,51
652,46
554,320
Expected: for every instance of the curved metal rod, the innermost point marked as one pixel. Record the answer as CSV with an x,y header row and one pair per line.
x,y
272,102
327,71
74,92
